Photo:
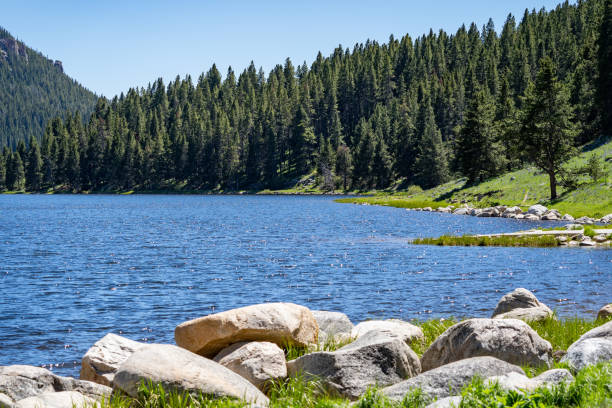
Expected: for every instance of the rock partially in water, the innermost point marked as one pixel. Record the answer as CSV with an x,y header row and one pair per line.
x,y
449,379
509,340
175,368
280,323
258,362
537,209
105,356
375,358
521,304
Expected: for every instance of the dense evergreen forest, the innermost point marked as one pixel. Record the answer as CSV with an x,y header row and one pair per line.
x,y
478,102
34,90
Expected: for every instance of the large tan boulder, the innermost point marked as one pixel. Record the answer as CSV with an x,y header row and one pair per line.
x,y
177,369
258,362
393,327
605,312
510,340
280,323
374,359
105,356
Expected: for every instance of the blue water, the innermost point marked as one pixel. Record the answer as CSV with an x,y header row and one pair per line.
x,y
73,268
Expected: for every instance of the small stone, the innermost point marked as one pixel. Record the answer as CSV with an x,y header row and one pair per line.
x,y
605,312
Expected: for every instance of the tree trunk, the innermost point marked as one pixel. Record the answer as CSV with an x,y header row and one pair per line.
x,y
553,185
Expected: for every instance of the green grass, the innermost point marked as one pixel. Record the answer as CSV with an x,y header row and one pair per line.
x,y
331,343
432,329
540,241
562,333
523,187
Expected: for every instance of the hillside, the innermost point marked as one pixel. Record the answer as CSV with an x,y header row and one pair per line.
x,y
522,187
34,89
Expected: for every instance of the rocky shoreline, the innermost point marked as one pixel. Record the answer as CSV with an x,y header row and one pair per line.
x,y
239,353
534,213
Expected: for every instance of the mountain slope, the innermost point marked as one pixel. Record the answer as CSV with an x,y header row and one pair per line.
x,y
34,89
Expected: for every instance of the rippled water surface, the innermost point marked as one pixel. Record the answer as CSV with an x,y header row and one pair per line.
x,y
73,268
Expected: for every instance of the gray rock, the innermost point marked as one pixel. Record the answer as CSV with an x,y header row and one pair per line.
x,y
105,356
605,312
517,382
587,242
606,219
520,216
20,381
332,324
181,370
511,211
537,209
258,362
550,217
475,211
461,211
531,314
567,217
573,226
449,379
394,327
510,340
62,399
521,304
448,402
585,220
519,298
605,330
588,352
600,238
373,359
531,217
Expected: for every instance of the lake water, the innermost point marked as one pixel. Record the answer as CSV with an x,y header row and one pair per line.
x,y
73,268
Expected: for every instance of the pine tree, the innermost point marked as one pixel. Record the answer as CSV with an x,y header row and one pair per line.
x,y
431,164
34,175
478,153
15,176
547,132
343,164
605,68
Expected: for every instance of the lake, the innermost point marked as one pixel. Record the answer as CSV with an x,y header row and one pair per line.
x,y
75,267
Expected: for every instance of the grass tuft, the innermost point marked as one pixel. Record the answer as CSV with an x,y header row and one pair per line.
x,y
538,241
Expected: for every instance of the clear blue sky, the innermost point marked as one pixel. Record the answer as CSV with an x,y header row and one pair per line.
x,y
110,45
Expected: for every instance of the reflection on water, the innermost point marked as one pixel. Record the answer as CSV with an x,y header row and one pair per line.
x,y
73,268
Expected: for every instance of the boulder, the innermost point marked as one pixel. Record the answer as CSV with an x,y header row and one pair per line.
x,y
332,324
567,217
531,314
521,304
427,209
518,382
510,340
178,369
531,217
588,352
512,211
605,312
62,399
105,356
550,217
520,216
448,402
584,220
20,381
375,358
591,348
394,327
449,379
600,238
587,242
280,323
606,219
258,362
446,210
519,298
475,211
6,401
537,209
461,211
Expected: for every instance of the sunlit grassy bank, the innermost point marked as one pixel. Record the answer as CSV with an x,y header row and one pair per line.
x,y
523,188
540,241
